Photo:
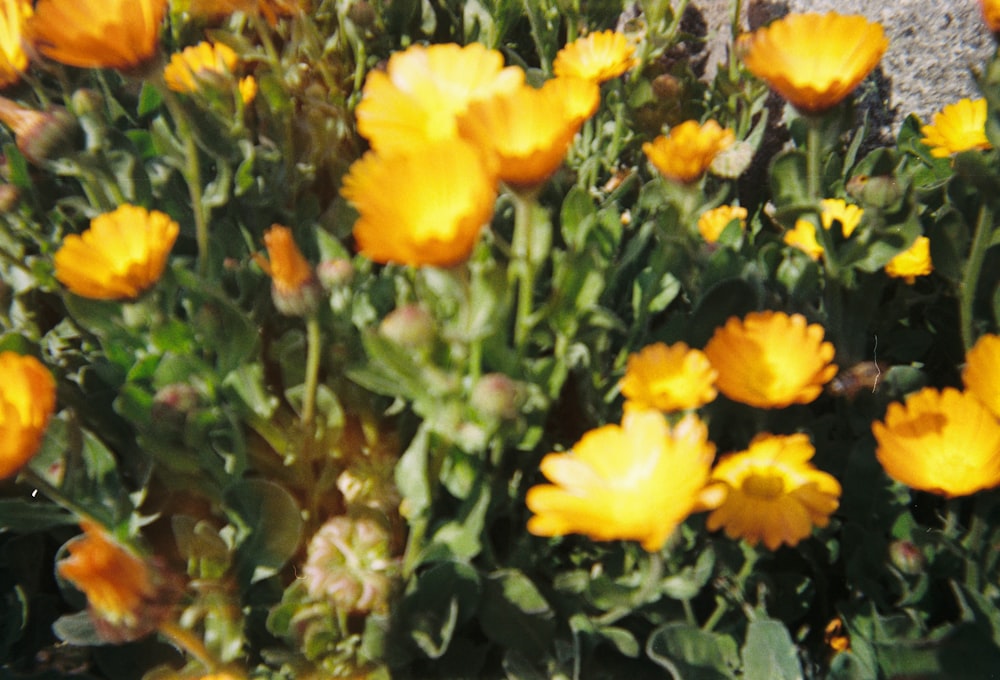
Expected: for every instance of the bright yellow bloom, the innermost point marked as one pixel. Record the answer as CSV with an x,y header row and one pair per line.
x,y
957,127
423,89
120,34
669,378
913,262
991,14
713,222
597,57
13,60
775,495
27,400
814,60
122,254
194,67
686,152
803,237
771,359
637,481
248,89
982,372
423,205
944,442
838,210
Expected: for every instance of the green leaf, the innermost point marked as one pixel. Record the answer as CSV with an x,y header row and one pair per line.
x,y
689,652
461,538
271,527
27,516
788,179
442,598
514,614
769,652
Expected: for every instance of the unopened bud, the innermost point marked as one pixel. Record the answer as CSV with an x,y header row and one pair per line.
x,y
497,396
335,273
667,86
9,196
882,191
172,404
907,557
362,14
39,135
409,326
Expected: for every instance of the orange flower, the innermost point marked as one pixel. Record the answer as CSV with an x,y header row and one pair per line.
x,y
913,262
598,57
669,378
713,222
688,150
13,60
190,69
991,14
272,10
27,400
957,127
295,289
982,371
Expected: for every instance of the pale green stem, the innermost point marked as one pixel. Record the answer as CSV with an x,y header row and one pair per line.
x,y
650,585
313,349
523,265
814,150
973,267
55,495
190,643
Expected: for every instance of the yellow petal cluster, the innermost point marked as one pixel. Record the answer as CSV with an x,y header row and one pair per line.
x,y
686,152
803,237
27,400
13,59
957,127
981,374
195,66
713,222
838,210
913,262
668,378
598,57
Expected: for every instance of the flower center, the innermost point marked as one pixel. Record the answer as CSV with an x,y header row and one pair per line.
x,y
765,486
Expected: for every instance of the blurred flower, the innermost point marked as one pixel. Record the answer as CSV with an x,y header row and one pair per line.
x,y
270,9
907,557
294,287
982,371
944,442
248,89
597,57
410,326
957,127
774,494
496,396
814,60
39,135
13,59
27,400
803,237
991,14
838,210
423,205
685,153
423,89
122,254
835,637
670,378
713,222
119,34
771,359
637,481
199,65
913,262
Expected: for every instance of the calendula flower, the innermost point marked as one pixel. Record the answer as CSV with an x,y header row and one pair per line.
x,y
635,481
119,34
814,60
199,65
423,89
775,495
991,14
803,237
122,254
669,378
294,287
27,400
598,57
271,10
771,359
913,262
13,59
981,374
944,442
957,127
713,222
423,205
685,153
838,210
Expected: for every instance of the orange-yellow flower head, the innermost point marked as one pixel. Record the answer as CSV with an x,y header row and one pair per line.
x,y
713,222
669,378
803,237
771,359
636,481
775,495
13,59
597,57
27,400
271,10
423,89
122,254
944,442
913,262
423,205
814,61
957,127
119,34
838,210
199,65
982,372
295,290
991,14
687,151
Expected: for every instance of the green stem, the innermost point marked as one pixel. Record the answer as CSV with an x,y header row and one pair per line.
x,y
814,150
55,495
649,587
523,264
973,267
313,348
533,9
190,643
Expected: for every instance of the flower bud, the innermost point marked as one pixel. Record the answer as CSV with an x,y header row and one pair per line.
x,y
9,196
87,102
294,288
335,273
409,326
882,191
362,14
172,404
907,557
497,396
39,135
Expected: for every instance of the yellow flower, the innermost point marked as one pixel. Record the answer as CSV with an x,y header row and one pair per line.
x,y
944,442
771,359
270,9
27,400
248,89
686,152
713,222
120,256
423,89
957,127
198,65
913,262
803,237
982,372
669,378
991,14
838,210
637,481
13,60
814,60
775,495
120,34
423,205
598,57
294,287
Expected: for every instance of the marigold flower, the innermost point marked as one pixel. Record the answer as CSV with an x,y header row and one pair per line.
x,y
13,59
981,374
194,67
669,378
119,34
598,57
774,494
27,400
771,359
803,237
425,205
913,262
838,210
957,127
814,60
991,14
122,254
685,153
713,222
944,442
294,287
635,481
423,89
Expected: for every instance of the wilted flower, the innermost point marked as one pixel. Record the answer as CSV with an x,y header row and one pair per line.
x,y
957,127
982,371
122,254
771,359
637,481
944,442
598,57
991,14
294,287
838,210
687,151
775,495
913,262
814,60
803,237
194,67
13,60
713,222
669,378
27,400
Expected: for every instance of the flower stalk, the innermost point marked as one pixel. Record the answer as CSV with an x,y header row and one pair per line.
x,y
973,267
